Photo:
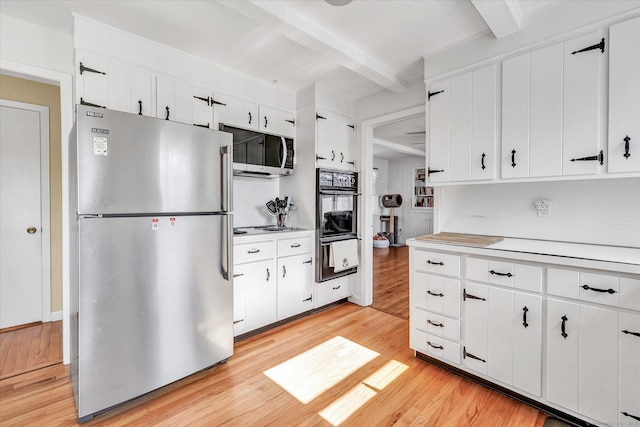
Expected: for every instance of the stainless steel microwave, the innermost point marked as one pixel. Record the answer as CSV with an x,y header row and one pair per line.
x,y
260,154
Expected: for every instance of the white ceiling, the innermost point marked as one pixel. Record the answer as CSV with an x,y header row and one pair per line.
x,y
356,50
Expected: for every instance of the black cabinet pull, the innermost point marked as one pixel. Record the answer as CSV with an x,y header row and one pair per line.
x,y
139,107
626,414
253,251
318,116
295,245
341,157
89,104
90,70
333,155
268,274
482,161
439,347
202,126
562,327
500,274
465,295
524,316
626,147
207,99
352,126
167,108
293,122
309,261
266,122
595,46
465,354
430,171
439,325
589,288
435,295
320,158
250,117
308,299
637,334
335,288
430,94
284,271
599,158
435,263
513,158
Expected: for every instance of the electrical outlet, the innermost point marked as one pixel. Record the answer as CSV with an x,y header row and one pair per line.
x,y
543,207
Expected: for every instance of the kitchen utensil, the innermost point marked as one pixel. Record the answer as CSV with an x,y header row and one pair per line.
x,y
271,207
282,204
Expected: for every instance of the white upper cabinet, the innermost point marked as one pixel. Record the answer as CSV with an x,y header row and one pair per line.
x,y
462,127
182,102
335,140
277,121
234,111
115,86
624,97
582,147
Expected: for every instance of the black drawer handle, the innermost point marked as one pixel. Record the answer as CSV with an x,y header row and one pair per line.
x,y
295,245
513,158
589,288
626,414
439,325
626,140
434,263
500,274
562,327
524,316
465,354
637,334
335,288
465,295
434,294
439,347
253,251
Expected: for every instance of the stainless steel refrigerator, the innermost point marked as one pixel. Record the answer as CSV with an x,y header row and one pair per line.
x,y
151,236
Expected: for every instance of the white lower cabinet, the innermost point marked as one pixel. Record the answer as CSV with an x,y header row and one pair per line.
x,y
582,359
629,377
295,285
254,299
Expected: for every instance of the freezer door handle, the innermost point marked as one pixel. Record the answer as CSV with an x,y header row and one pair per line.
x,y
227,247
227,176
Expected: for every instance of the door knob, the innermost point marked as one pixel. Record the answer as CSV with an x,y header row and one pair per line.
x,y
32,230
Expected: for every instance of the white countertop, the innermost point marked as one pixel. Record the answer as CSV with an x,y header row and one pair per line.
x,y
612,258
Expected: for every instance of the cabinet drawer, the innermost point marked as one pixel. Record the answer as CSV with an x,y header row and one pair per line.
x,y
295,246
248,252
630,293
435,262
435,346
598,288
436,294
332,290
436,324
520,276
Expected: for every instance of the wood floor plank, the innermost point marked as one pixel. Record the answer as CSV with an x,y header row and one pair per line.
x,y
391,280
392,388
26,349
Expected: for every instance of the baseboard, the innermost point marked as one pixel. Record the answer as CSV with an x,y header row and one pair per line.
x,y
56,315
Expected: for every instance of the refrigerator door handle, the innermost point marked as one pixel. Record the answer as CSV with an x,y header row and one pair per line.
x,y
227,176
227,248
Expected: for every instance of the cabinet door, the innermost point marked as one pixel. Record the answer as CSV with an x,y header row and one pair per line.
x,y
184,103
239,300
346,143
581,105
599,334
629,369
484,102
624,96
500,335
261,291
460,111
202,113
335,139
141,88
439,132
476,327
295,285
516,82
563,352
527,343
165,98
249,115
94,86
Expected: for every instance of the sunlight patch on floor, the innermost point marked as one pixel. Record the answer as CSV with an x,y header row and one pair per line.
x,y
343,407
315,371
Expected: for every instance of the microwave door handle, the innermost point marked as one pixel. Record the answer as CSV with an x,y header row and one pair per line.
x,y
284,152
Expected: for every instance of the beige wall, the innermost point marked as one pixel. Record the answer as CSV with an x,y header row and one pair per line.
x,y
16,89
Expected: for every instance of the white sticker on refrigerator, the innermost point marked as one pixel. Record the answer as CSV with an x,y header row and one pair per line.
x,y
154,223
100,146
172,221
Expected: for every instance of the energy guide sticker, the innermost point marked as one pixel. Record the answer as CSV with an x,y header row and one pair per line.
x,y
100,146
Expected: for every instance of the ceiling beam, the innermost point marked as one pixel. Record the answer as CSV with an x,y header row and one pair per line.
x,y
503,17
398,147
299,28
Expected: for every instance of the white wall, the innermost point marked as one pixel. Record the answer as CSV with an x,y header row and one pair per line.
x,y
605,211
250,196
381,187
386,102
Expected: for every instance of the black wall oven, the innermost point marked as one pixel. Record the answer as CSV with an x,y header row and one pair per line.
x,y
336,208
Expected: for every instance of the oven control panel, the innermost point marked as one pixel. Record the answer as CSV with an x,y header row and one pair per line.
x,y
337,179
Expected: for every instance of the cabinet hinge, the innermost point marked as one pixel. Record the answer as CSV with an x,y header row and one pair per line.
x,y
207,99
318,116
214,102
90,70
352,126
430,94
89,104
293,122
594,47
202,126
599,158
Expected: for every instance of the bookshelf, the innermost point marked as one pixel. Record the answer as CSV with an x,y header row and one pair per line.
x,y
422,198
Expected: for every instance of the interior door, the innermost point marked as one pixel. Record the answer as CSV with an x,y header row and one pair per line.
x,y
20,218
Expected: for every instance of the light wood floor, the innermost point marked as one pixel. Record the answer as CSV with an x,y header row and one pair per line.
x,y
351,365
391,280
33,347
